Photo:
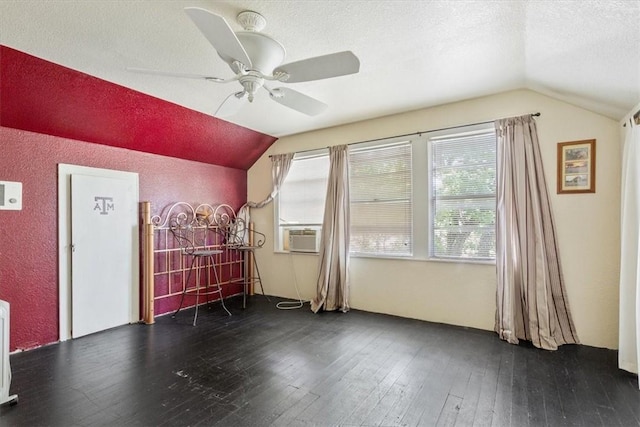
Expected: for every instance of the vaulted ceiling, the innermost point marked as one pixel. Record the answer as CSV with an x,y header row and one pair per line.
x,y
413,54
70,104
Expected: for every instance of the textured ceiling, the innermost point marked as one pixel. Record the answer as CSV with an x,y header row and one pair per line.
x,y
413,54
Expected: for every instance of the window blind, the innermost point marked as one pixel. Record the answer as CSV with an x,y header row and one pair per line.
x,y
463,187
302,196
381,204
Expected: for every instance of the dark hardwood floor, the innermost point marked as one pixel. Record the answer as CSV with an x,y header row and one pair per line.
x,y
265,366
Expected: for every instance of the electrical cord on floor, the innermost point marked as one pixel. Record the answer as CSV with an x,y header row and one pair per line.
x,y
292,305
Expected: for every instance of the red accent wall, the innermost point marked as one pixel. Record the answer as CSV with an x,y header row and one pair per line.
x,y
29,238
40,96
46,113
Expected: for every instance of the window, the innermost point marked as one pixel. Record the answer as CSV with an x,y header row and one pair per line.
x,y
463,195
431,196
380,192
301,198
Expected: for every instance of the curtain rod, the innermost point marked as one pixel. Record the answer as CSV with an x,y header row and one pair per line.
x,y
412,133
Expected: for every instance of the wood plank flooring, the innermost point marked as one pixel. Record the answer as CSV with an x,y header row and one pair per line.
x,y
269,367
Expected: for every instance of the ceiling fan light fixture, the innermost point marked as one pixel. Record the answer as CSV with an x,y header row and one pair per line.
x,y
251,82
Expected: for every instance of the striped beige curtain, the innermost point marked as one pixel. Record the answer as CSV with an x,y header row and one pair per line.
x,y
531,298
280,165
332,288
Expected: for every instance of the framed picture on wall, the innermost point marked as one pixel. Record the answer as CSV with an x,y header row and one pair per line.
x,y
577,167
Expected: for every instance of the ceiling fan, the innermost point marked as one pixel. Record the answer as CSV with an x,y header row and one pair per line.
x,y
256,58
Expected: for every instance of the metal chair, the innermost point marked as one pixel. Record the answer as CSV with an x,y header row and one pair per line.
x,y
239,237
192,236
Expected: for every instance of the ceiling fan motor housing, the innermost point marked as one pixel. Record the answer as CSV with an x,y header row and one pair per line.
x,y
265,52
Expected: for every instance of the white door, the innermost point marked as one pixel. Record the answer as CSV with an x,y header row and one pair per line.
x,y
101,252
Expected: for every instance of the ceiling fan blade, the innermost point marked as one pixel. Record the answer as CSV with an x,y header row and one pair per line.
x,y
297,101
219,34
320,67
231,105
170,74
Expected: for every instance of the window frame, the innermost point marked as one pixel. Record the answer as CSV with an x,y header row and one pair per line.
x,y
422,189
278,229
455,131
389,142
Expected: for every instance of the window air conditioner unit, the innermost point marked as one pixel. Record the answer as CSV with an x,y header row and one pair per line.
x,y
303,240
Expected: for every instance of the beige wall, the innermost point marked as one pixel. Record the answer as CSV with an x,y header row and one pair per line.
x,y
459,293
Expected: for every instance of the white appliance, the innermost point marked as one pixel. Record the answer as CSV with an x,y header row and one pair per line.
x,y
5,368
305,240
